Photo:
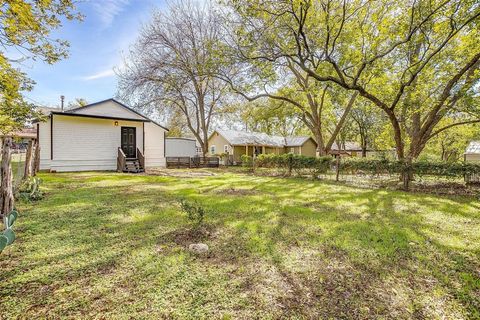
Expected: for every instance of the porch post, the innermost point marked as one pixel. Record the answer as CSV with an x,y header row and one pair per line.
x,y
246,150
263,149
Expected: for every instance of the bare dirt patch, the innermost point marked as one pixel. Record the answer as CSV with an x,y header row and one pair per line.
x,y
237,192
180,173
447,188
185,236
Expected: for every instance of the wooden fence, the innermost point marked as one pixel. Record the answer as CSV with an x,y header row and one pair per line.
x,y
472,178
193,162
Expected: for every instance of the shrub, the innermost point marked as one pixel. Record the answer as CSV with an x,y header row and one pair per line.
x,y
295,162
365,165
247,161
195,212
29,189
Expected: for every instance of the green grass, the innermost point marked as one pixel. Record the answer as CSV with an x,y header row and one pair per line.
x,y
107,245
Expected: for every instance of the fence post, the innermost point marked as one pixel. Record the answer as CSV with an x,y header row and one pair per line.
x,y
407,175
290,163
6,183
253,162
337,168
28,160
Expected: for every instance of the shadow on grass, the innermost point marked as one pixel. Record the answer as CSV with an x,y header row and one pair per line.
x,y
292,248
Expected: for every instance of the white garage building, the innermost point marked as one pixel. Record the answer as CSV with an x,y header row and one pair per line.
x,y
180,147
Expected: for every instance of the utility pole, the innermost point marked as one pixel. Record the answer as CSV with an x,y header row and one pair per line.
x,y
62,99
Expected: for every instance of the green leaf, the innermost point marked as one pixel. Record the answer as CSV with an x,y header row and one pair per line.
x,y
11,218
3,242
10,235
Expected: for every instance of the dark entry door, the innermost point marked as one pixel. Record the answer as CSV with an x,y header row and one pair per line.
x,y
129,145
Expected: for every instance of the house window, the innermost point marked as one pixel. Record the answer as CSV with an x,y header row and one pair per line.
x,y
212,149
225,148
292,150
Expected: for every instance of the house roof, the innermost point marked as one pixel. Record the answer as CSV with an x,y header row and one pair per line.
x,y
47,110
242,138
79,112
349,146
27,133
473,147
296,141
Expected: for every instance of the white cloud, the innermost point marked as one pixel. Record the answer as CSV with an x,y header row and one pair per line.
x,y
99,75
108,9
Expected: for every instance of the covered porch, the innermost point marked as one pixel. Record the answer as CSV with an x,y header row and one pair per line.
x,y
250,150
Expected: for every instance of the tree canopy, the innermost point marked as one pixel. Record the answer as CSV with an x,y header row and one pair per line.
x,y
173,64
416,61
25,33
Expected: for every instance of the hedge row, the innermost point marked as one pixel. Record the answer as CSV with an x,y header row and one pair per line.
x,y
319,165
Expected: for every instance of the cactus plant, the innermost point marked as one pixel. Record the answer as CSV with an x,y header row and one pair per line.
x,y
3,242
11,218
10,235
7,237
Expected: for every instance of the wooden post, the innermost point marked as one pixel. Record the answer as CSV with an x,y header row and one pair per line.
x,y
253,162
36,159
28,160
290,164
246,150
337,168
6,185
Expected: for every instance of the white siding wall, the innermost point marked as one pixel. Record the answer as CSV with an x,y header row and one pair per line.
x,y
82,144
180,147
109,109
154,146
44,142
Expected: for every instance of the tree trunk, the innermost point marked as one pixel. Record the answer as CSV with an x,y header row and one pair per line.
x,y
397,133
6,184
205,145
407,174
341,122
28,160
36,161
320,144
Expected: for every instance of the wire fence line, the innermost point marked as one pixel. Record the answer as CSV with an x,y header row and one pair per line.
x,y
18,166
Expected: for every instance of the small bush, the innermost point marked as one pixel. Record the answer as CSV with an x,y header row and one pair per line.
x,y
294,162
195,212
29,189
247,161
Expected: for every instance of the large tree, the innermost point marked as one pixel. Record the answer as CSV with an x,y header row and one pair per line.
x,y
323,108
25,33
271,116
416,60
367,123
173,63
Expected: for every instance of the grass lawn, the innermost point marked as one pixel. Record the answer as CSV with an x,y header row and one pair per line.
x,y
108,245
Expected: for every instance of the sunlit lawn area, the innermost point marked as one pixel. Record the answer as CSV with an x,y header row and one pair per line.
x,y
108,245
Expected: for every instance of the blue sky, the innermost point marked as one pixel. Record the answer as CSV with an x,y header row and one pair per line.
x,y
97,46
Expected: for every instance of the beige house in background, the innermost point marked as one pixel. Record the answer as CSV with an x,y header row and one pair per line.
x,y
105,135
238,143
